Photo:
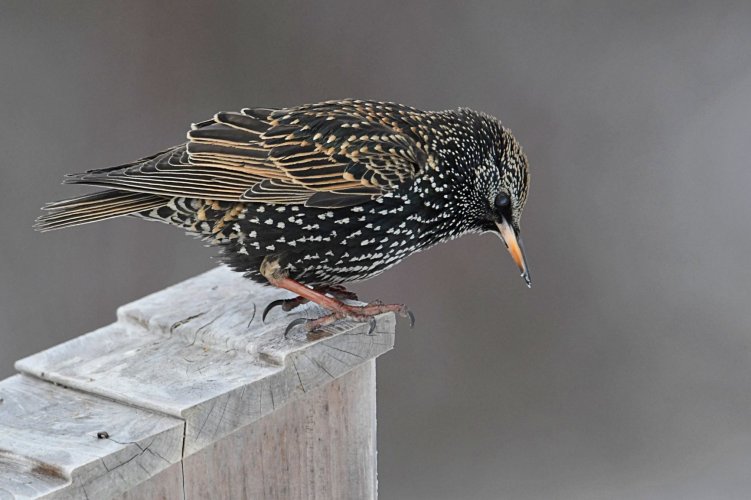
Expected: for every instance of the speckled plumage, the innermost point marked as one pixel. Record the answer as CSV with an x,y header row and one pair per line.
x,y
333,193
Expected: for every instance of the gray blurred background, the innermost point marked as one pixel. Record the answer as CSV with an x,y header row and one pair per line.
x,y
624,373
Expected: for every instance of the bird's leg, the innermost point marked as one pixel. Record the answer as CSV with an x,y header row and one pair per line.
x,y
337,291
287,305
339,310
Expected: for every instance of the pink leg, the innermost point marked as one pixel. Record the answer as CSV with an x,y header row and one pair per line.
x,y
339,310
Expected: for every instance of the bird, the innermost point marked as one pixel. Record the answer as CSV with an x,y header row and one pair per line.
x,y
314,197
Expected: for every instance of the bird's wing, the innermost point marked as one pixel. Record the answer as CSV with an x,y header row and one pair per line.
x,y
326,155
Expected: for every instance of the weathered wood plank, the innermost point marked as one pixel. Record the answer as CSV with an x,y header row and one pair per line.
x,y
49,445
320,446
198,351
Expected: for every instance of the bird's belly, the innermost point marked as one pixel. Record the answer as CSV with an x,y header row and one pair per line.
x,y
323,246
313,245
355,264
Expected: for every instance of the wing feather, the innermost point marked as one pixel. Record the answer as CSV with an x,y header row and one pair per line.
x,y
333,154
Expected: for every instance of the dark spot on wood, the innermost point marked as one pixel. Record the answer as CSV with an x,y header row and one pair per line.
x,y
48,470
267,358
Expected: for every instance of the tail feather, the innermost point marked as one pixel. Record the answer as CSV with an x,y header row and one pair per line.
x,y
95,207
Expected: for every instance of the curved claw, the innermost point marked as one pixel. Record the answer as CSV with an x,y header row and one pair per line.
x,y
293,324
411,318
273,304
255,310
371,325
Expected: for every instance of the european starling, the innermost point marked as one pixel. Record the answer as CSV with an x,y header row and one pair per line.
x,y
313,197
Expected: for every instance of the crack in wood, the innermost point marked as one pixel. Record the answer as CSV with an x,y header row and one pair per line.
x,y
141,448
182,458
178,324
201,328
319,365
211,410
221,417
121,464
344,351
302,386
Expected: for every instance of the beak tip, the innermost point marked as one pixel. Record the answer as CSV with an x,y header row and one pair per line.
x,y
527,280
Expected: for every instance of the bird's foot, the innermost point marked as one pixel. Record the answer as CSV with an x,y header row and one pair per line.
x,y
336,291
339,310
366,313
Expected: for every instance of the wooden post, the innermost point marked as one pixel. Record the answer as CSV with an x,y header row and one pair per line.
x,y
190,395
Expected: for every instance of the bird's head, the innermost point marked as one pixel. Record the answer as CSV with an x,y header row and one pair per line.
x,y
508,201
501,181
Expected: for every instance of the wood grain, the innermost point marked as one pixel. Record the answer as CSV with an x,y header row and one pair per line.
x,y
320,446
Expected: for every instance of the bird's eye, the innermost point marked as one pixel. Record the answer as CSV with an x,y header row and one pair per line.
x,y
502,201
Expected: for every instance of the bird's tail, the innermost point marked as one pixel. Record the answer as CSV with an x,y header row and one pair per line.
x,y
95,207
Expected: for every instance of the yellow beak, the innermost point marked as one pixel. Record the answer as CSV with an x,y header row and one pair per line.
x,y
515,248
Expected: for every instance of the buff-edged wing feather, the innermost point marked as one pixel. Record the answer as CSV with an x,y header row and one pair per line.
x,y
328,155
95,207
345,149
